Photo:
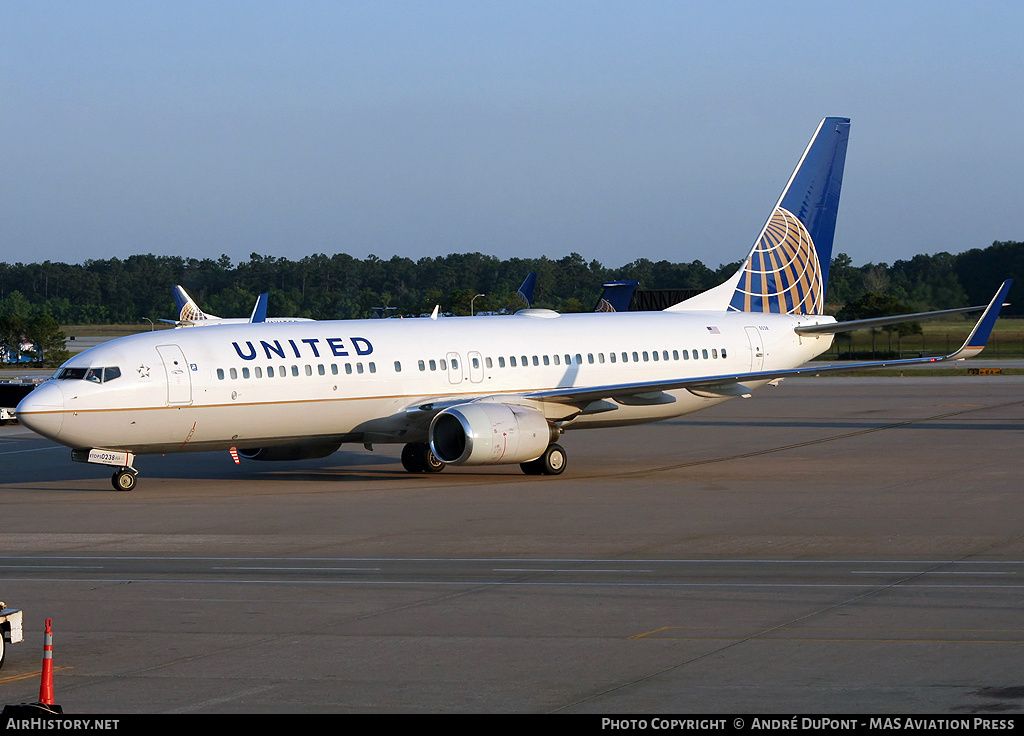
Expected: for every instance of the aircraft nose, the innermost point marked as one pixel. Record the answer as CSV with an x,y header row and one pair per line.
x,y
42,410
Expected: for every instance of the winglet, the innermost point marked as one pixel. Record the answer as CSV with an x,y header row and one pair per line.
x,y
981,332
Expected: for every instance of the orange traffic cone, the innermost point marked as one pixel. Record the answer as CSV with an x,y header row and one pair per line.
x,y
45,706
46,681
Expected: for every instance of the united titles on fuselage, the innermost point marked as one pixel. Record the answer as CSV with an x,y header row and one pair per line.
x,y
337,346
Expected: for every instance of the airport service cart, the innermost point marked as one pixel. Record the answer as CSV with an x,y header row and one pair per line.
x,y
10,628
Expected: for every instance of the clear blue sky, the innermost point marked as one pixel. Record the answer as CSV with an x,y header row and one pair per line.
x,y
618,130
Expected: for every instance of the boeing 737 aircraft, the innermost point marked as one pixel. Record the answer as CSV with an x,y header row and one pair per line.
x,y
190,315
470,390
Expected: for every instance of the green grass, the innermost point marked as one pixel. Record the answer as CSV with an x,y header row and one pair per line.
x,y
104,330
937,338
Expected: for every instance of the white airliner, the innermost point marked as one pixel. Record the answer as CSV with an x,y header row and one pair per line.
x,y
190,315
469,390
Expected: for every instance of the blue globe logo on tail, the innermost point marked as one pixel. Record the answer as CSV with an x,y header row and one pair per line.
x,y
782,273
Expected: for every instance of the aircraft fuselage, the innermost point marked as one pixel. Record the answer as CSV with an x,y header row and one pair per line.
x,y
260,385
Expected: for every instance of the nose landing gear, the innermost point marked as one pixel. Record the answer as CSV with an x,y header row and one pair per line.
x,y
124,479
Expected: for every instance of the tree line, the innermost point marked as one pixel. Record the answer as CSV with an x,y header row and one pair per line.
x,y
138,288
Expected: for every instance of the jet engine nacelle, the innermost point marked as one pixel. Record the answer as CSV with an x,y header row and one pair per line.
x,y
489,434
302,451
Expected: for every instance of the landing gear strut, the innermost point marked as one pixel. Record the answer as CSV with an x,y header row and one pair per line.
x,y
417,457
552,462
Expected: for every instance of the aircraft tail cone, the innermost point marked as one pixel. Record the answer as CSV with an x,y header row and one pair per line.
x,y
45,706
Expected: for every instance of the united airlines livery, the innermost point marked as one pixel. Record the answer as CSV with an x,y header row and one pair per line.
x,y
470,390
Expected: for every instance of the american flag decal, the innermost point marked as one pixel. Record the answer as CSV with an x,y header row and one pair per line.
x,y
714,331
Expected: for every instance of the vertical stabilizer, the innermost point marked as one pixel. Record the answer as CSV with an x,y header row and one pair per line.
x,y
616,296
787,269
526,290
188,311
259,312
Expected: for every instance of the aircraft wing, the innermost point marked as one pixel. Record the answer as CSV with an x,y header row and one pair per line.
x,y
833,328
733,384
724,385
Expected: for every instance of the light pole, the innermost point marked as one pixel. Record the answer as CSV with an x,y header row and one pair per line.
x,y
471,312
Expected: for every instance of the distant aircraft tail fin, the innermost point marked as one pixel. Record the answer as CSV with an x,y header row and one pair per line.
x,y
616,296
526,290
787,269
188,311
259,312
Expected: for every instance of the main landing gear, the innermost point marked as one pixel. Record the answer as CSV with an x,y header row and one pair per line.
x,y
417,457
552,462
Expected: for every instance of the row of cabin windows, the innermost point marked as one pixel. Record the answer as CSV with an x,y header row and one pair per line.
x,y
636,356
282,371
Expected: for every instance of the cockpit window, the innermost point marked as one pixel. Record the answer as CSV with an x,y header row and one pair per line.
x,y
72,373
96,375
